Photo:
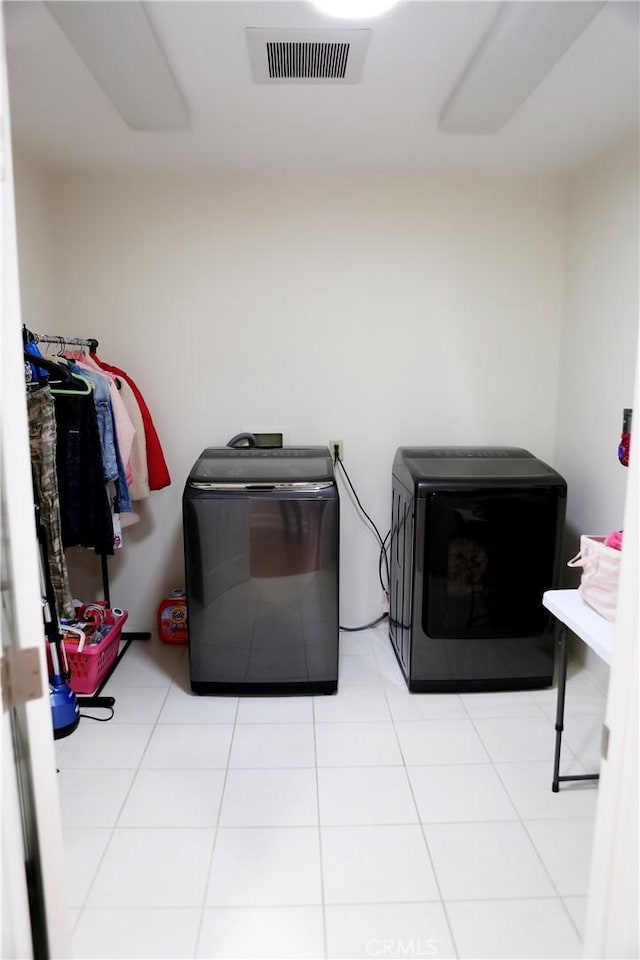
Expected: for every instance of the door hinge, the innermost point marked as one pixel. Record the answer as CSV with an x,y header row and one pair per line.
x,y
604,748
21,677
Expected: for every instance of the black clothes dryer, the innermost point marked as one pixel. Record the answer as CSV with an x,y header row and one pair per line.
x,y
261,542
476,539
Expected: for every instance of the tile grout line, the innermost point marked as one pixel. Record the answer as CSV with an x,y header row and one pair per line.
x,y
560,896
522,822
491,761
216,830
136,770
322,890
421,824
113,828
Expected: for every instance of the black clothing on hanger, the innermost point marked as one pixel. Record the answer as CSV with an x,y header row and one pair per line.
x,y
84,504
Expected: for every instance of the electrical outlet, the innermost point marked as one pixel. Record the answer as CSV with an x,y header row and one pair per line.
x,y
336,446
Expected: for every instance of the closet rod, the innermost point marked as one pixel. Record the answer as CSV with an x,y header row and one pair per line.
x,y
68,341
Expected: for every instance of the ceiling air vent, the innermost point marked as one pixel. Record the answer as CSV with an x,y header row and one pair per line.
x,y
307,56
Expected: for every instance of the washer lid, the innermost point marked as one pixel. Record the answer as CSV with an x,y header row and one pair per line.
x,y
258,465
431,468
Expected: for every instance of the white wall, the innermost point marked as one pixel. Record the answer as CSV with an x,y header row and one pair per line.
x,y
381,311
599,343
34,209
599,338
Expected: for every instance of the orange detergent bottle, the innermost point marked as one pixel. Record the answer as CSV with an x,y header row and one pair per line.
x,y
172,618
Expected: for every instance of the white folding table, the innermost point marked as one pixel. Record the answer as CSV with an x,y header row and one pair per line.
x,y
573,613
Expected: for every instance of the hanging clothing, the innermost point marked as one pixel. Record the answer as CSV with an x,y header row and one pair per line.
x,y
157,467
124,427
122,502
104,416
42,444
139,487
82,445
34,374
111,457
84,505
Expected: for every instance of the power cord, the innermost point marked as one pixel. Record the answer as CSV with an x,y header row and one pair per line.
x,y
365,626
383,557
87,716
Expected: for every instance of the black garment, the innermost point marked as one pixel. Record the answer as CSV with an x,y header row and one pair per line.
x,y
84,504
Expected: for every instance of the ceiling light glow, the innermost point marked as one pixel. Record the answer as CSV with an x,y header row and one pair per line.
x,y
354,9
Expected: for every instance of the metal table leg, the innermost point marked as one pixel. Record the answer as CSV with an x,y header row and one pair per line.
x,y
562,684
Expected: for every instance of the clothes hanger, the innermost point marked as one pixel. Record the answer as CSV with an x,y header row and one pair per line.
x,y
64,361
81,387
63,382
76,633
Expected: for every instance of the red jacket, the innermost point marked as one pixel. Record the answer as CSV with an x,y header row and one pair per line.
x,y
156,464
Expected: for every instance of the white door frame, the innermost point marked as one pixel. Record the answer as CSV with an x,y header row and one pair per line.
x,y
38,763
611,928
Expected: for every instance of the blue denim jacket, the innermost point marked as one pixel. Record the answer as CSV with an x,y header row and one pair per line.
x,y
111,459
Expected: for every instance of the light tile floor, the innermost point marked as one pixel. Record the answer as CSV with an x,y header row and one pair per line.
x,y
375,823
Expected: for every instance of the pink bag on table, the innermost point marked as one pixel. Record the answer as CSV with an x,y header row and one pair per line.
x,y
600,571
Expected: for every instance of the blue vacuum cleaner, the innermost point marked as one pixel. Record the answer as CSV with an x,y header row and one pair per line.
x,y
65,712
65,705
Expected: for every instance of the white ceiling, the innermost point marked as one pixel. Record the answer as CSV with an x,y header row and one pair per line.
x,y
386,123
